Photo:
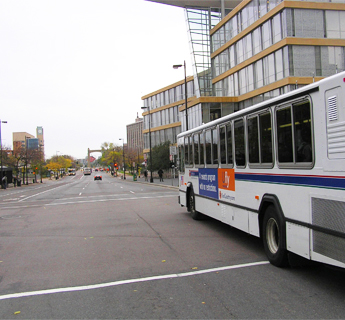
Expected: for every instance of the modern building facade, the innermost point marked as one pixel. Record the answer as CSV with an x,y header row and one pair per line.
x,y
162,113
22,140
19,139
244,52
265,48
135,135
40,137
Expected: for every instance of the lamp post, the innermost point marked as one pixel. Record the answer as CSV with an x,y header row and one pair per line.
x,y
41,155
1,121
148,108
26,158
124,162
57,169
176,66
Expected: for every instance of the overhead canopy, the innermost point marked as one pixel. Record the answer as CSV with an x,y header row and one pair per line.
x,y
229,4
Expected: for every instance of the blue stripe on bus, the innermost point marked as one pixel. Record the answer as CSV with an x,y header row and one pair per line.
x,y
311,181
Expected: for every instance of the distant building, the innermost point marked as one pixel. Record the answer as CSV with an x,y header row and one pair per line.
x,y
32,142
135,135
19,140
40,137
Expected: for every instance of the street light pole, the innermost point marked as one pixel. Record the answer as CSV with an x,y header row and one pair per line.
x,y
41,155
151,178
26,158
1,152
124,162
176,66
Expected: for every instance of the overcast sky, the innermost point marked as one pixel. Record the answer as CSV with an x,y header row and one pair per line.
x,y
79,68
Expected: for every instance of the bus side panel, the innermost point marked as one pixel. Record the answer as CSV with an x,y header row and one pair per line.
x,y
235,217
297,239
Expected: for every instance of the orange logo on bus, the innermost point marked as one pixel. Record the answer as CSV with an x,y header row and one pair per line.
x,y
226,179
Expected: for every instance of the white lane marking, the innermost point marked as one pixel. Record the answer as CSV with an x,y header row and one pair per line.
x,y
34,195
80,193
131,191
129,281
85,201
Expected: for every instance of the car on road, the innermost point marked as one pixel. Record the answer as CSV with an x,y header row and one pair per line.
x,y
87,171
97,177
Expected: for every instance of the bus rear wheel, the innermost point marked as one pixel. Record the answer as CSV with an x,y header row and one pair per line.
x,y
191,206
273,238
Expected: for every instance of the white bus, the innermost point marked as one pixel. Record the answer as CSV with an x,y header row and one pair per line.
x,y
275,170
71,171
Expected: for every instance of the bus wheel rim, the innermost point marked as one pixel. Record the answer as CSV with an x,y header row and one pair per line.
x,y
272,235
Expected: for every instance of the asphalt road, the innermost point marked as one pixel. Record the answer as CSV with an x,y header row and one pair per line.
x,y
78,248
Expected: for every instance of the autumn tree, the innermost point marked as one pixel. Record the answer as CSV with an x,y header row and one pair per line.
x,y
110,154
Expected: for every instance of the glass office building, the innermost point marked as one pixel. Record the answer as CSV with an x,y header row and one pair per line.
x,y
244,52
265,48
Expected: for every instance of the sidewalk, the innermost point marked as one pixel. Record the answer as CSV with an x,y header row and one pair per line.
x,y
168,182
30,182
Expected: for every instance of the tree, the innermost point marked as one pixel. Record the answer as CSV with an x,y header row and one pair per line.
x,y
57,163
110,154
160,157
134,155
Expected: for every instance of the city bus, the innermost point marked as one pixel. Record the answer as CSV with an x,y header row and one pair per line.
x,y
71,171
275,170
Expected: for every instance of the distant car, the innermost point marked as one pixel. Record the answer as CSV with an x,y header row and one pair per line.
x,y
87,171
97,177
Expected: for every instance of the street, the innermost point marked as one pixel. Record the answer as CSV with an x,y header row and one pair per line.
x,y
78,248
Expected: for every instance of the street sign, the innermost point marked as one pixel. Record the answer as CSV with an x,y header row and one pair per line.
x,y
173,150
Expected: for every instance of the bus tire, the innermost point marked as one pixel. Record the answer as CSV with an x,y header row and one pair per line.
x,y
191,206
273,238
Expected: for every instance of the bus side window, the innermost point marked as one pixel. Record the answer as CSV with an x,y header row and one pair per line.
x,y
284,134
266,138
186,151
302,131
208,140
196,149
201,139
181,158
240,151
229,144
253,139
294,133
214,146
222,145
